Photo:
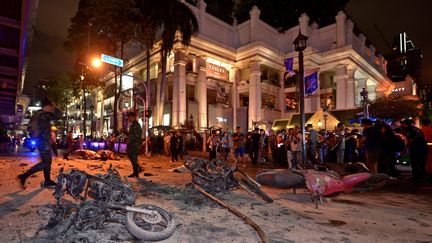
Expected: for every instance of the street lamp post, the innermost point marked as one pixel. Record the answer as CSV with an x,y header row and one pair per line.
x,y
300,46
95,63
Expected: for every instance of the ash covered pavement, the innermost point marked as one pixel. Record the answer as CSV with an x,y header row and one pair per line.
x,y
401,212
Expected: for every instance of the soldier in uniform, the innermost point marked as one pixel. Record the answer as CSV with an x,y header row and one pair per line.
x,y
43,118
134,143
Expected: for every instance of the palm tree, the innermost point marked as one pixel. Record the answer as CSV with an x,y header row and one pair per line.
x,y
172,16
112,27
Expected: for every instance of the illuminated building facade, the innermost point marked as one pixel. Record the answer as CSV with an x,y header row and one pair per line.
x,y
233,75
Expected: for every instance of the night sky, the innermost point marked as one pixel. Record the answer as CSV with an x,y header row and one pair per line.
x,y
48,57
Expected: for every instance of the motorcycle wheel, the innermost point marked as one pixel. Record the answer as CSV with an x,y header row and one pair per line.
x,y
146,227
254,188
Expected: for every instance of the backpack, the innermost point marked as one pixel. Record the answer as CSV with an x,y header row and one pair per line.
x,y
33,125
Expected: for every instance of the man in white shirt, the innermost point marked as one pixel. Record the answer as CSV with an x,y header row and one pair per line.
x,y
295,138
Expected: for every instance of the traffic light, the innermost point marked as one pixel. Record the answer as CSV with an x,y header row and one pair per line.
x,y
148,113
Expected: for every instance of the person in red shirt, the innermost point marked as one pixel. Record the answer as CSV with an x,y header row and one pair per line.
x,y
427,131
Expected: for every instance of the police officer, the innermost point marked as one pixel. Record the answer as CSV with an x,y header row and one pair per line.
x,y
134,143
43,120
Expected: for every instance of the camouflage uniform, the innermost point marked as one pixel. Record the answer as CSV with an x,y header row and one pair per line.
x,y
44,143
134,144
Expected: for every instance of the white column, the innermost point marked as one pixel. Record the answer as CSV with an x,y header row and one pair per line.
x,y
340,29
179,115
312,103
201,88
234,78
183,92
350,89
371,89
254,93
341,80
158,117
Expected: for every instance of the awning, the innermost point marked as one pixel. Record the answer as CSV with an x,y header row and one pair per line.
x,y
280,124
345,116
295,119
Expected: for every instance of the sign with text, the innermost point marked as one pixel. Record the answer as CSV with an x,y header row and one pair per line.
x,y
216,71
112,60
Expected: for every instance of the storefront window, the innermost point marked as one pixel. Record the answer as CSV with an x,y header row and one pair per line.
x,y
127,81
327,99
291,102
291,81
268,101
269,75
166,119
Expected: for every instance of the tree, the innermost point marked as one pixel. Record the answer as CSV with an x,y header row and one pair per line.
x,y
396,109
172,16
60,89
108,26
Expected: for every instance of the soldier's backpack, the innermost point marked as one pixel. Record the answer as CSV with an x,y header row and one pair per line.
x,y
33,125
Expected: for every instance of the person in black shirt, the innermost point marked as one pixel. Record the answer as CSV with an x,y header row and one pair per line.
x,y
174,147
389,147
371,142
255,143
43,117
417,148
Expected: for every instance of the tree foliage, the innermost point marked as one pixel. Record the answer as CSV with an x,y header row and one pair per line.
x,y
60,89
396,109
103,26
173,16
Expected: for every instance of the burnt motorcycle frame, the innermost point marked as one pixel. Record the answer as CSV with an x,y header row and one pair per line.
x,y
111,197
218,176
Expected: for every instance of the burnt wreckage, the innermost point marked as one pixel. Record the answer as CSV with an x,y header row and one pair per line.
x,y
113,201
218,176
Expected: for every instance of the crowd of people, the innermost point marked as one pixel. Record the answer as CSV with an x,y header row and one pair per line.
x,y
379,145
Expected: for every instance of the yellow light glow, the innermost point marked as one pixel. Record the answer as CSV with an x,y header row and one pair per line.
x,y
96,63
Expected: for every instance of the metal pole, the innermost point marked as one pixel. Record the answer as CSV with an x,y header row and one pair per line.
x,y
302,109
147,103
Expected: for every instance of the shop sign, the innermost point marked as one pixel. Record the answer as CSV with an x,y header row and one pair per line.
x,y
398,90
217,72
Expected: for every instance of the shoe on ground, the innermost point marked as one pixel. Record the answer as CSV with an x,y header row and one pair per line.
x,y
49,183
133,175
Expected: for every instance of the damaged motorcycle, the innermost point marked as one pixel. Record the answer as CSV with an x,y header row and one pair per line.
x,y
113,201
218,176
329,183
